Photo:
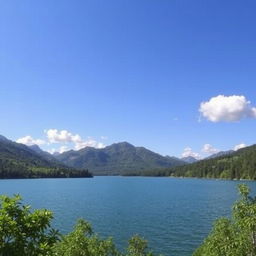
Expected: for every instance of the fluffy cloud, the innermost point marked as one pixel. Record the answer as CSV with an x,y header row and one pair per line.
x,y
239,146
88,143
209,149
64,136
227,108
29,141
189,152
66,139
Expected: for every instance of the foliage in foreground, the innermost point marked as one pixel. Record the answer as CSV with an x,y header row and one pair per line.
x,y
27,233
235,236
23,232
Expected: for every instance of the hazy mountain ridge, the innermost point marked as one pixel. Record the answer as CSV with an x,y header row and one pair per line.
x,y
221,153
49,157
189,159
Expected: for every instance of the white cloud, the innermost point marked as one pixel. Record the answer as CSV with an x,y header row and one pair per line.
x,y
227,108
239,146
64,136
52,150
29,141
61,150
66,139
209,149
189,152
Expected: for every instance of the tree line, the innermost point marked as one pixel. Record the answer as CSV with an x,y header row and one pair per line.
x,y
238,165
13,169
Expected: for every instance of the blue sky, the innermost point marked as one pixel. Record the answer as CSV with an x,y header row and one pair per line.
x,y
128,70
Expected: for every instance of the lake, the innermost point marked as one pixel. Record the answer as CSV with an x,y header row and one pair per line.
x,y
173,214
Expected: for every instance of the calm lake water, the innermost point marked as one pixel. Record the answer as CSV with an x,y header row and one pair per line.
x,y
174,215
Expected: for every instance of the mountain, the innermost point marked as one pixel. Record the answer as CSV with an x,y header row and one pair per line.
x,y
189,159
221,153
240,164
44,154
37,149
20,161
117,159
2,138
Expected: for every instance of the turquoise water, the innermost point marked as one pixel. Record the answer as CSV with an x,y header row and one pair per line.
x,y
174,215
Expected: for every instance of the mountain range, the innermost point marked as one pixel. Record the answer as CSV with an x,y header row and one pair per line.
x,y
18,160
117,159
221,153
21,161
189,159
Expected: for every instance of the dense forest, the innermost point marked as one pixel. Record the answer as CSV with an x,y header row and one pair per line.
x,y
11,169
238,165
19,161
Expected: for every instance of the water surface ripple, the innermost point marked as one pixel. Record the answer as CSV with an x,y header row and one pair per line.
x,y
173,214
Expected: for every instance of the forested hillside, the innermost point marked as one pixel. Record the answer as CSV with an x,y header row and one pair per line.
x,y
117,159
19,161
238,165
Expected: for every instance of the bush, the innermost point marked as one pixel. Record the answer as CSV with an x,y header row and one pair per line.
x,y
27,233
23,232
235,236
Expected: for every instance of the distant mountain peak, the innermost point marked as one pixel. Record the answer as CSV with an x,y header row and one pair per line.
x,y
123,144
36,148
2,138
43,153
189,159
221,153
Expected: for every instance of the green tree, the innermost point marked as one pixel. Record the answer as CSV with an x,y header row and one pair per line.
x,y
235,236
83,242
27,233
138,247
23,232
